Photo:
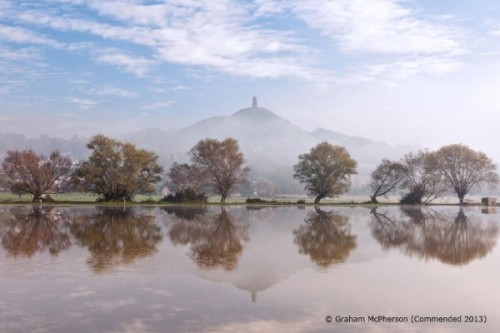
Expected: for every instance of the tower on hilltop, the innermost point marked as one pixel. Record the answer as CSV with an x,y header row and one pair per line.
x,y
254,102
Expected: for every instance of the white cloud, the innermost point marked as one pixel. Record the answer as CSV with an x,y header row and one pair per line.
x,y
180,88
79,82
81,293
135,65
24,36
4,7
137,326
402,69
380,26
158,105
19,54
83,104
154,14
268,7
113,91
216,35
228,37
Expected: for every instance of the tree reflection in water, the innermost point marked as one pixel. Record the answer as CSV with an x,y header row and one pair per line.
x,y
215,241
25,232
325,237
116,236
454,240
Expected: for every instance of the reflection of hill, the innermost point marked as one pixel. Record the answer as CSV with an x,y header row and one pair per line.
x,y
215,241
325,237
26,231
116,236
269,258
455,240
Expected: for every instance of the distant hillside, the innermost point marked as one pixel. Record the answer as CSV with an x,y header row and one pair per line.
x,y
270,144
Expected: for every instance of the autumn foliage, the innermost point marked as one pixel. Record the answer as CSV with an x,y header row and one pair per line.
x,y
27,172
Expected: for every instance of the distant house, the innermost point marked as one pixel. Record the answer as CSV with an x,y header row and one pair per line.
x,y
488,201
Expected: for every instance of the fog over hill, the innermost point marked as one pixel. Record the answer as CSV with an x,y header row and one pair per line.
x,y
270,144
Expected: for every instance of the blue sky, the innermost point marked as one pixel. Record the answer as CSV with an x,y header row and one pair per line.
x,y
400,71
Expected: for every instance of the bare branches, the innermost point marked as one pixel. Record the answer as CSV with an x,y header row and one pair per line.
x,y
387,177
219,164
26,172
427,175
464,169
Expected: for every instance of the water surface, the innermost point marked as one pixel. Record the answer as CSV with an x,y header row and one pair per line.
x,y
243,269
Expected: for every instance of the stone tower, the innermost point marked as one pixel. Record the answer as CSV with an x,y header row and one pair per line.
x,y
254,102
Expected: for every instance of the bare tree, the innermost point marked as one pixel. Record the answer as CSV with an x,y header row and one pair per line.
x,y
386,178
117,170
423,178
220,164
26,172
464,169
325,171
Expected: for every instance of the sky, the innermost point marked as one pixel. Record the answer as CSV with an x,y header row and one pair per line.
x,y
400,71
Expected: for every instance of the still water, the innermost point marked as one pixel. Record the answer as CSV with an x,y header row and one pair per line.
x,y
243,269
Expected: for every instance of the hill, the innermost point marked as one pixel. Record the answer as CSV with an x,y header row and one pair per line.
x,y
270,143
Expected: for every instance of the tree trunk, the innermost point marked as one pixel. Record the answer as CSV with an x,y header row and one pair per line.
x,y
461,198
223,199
318,198
37,197
373,199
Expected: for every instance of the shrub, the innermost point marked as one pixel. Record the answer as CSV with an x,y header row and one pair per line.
x,y
414,197
256,201
187,196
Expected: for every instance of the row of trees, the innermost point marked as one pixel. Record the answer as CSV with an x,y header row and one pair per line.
x,y
427,175
117,170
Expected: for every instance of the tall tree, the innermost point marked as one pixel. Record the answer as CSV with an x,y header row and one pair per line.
x,y
325,171
423,178
116,170
26,172
220,164
386,178
464,169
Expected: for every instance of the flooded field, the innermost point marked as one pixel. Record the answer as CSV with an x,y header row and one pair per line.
x,y
249,269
